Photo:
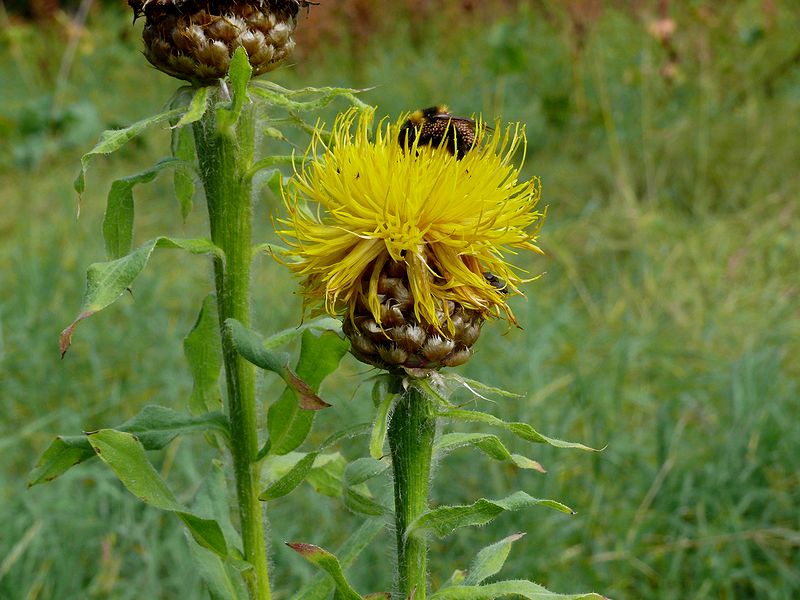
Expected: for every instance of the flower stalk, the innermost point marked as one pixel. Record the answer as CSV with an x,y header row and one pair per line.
x,y
225,156
411,433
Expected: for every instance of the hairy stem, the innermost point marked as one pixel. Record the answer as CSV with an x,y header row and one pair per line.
x,y
411,433
225,158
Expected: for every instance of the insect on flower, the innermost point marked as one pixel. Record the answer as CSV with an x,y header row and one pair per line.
x,y
435,126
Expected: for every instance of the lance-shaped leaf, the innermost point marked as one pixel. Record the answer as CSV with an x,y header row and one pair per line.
x,y
113,139
488,444
507,589
380,425
223,577
118,220
126,456
522,430
301,469
197,107
282,97
105,282
321,586
222,580
446,519
267,162
183,179
203,350
155,426
490,560
319,324
354,491
328,563
239,74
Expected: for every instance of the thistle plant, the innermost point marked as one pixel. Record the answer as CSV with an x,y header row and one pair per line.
x,y
407,243
217,46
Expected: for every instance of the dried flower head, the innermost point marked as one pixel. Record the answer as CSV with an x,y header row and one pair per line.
x,y
195,39
409,244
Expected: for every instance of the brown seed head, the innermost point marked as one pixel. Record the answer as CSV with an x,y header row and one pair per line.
x,y
194,40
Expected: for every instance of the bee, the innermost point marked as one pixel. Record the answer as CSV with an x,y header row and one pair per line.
x,y
437,127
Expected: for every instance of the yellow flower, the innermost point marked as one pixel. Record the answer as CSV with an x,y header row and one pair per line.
x,y
440,225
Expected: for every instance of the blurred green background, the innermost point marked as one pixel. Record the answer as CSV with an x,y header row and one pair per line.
x,y
666,325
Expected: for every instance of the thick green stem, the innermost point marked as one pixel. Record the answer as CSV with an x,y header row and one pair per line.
x,y
411,432
225,158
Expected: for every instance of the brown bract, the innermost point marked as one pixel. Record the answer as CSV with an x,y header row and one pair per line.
x,y
194,40
401,340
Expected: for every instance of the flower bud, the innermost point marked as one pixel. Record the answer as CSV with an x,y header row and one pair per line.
x,y
194,40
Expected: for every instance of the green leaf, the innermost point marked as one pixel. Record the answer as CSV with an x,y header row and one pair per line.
x,y
446,519
126,456
488,444
326,479
328,563
507,589
183,179
287,335
118,220
291,480
155,426
523,430
275,184
356,495
378,435
197,107
288,423
272,161
239,74
105,282
321,586
364,469
276,95
490,560
113,139
61,455
361,503
222,580
212,501
203,351
477,388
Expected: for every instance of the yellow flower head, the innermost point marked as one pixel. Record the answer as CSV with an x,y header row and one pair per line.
x,y
448,222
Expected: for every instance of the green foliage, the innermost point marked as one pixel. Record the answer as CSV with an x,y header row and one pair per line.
x,y
154,427
125,455
445,519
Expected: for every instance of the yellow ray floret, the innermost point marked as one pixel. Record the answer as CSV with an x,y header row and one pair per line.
x,y
450,221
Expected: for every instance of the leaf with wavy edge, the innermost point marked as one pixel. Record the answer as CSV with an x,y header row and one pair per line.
x,y
112,140
515,588
490,560
446,519
155,427
106,281
522,430
488,444
126,456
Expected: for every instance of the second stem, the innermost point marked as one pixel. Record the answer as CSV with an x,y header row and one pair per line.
x,y
411,433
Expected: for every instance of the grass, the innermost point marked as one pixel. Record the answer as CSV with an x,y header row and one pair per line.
x,y
666,326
